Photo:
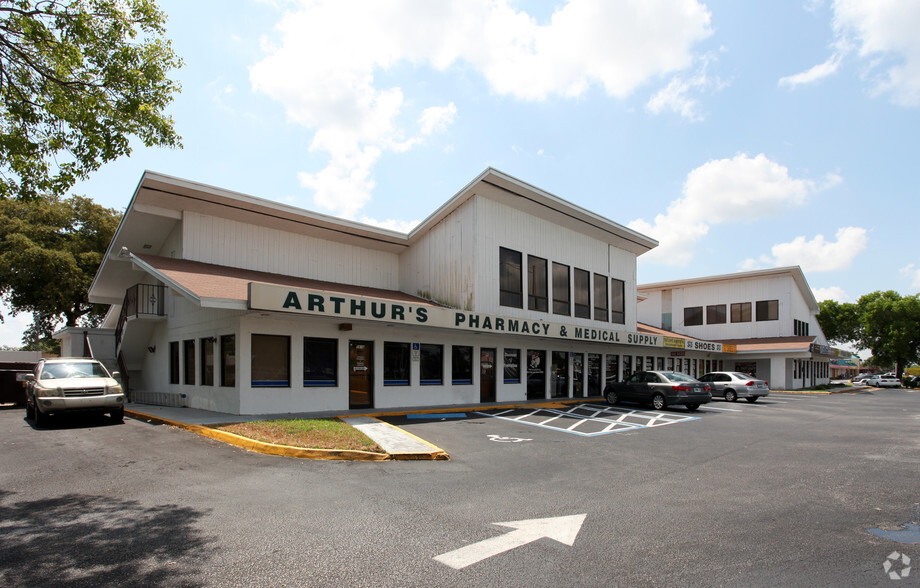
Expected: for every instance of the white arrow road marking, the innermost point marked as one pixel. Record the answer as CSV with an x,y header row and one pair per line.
x,y
561,529
500,439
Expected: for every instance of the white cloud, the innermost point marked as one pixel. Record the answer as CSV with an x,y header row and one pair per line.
x,y
913,273
399,226
818,254
324,62
883,33
740,189
677,96
831,293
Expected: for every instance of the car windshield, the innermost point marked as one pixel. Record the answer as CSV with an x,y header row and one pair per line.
x,y
77,369
678,377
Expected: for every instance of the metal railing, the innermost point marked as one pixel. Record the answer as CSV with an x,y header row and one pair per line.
x,y
140,300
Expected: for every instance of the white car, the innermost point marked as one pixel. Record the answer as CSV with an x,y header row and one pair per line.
x,y
882,381
72,384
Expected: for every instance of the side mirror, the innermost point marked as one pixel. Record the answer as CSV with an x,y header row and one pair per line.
x,y
116,374
30,377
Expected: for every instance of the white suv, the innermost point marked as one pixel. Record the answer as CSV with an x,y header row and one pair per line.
x,y
72,384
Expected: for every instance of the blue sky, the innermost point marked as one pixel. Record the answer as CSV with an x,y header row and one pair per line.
x,y
741,135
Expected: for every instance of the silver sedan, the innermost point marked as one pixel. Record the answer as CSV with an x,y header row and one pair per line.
x,y
735,385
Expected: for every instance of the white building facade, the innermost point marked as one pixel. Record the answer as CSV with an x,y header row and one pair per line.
x,y
766,317
230,303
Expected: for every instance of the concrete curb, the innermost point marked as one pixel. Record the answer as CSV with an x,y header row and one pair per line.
x,y
270,448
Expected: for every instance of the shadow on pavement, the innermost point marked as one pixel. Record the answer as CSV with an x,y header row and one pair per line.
x,y
79,540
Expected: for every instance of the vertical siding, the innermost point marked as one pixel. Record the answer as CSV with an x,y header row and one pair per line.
x,y
221,241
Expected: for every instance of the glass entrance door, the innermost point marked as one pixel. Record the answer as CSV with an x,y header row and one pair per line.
x,y
487,375
360,374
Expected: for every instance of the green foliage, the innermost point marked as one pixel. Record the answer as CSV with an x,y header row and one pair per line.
x,y
78,80
883,322
48,259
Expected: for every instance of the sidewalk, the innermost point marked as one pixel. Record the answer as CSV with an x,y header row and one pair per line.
x,y
397,444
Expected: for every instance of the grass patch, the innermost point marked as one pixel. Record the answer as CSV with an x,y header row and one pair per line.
x,y
306,433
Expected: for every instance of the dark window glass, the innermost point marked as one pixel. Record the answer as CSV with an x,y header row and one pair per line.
x,y
207,362
396,357
173,362
510,285
512,366
461,367
562,296
431,364
582,293
600,298
693,315
741,312
594,374
320,362
228,360
271,361
560,384
715,314
537,298
768,310
613,369
627,366
618,301
188,347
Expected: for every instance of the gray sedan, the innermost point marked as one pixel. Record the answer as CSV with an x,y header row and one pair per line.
x,y
660,389
735,385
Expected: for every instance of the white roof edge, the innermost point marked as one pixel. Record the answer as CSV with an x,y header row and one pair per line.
x,y
795,271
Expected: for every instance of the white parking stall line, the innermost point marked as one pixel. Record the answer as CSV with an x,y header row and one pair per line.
x,y
708,407
614,420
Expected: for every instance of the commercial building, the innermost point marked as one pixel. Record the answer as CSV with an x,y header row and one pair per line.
x,y
235,304
768,316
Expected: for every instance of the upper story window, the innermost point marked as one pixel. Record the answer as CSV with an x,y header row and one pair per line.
x,y
800,328
537,293
693,316
768,310
715,314
600,298
741,312
510,284
582,293
617,301
562,293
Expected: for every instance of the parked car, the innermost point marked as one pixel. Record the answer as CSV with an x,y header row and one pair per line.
x,y
882,381
860,378
660,389
72,384
735,385
912,381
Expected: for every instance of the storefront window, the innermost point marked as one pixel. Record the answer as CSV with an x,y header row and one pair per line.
x,y
271,361
649,363
560,372
671,364
627,367
512,366
320,362
510,285
461,367
189,353
396,357
582,293
613,369
660,363
207,362
431,364
537,287
594,374
536,374
173,362
228,360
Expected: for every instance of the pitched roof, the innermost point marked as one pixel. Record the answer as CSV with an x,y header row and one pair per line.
x,y
228,287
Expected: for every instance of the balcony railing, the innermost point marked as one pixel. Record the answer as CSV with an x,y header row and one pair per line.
x,y
140,300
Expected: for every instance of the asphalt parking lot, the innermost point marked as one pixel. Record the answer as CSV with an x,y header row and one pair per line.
x,y
786,491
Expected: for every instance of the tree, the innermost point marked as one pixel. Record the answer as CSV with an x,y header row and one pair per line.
x,y
49,258
78,80
883,322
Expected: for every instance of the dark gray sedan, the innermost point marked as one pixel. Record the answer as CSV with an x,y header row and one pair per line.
x,y
660,389
735,385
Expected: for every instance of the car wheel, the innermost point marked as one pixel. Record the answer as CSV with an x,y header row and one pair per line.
x,y
692,407
658,401
730,396
118,415
41,419
611,396
30,411
752,398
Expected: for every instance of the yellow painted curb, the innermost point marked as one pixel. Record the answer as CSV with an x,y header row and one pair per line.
x,y
268,448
